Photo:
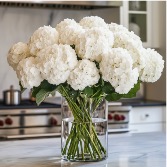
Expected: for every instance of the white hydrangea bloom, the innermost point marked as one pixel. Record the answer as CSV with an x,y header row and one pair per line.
x,y
94,43
92,21
56,62
68,31
16,53
28,73
41,38
134,48
116,28
116,68
85,74
153,67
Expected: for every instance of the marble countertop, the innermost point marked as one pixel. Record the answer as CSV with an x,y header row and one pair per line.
x,y
129,150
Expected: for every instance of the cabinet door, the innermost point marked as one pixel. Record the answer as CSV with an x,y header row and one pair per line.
x,y
146,119
140,115
138,17
141,128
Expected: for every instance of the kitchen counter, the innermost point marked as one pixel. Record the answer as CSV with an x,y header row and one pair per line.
x,y
130,150
28,104
142,103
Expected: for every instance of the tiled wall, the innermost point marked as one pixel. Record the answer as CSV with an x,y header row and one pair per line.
x,y
18,24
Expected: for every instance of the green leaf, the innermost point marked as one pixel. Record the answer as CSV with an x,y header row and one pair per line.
x,y
100,82
43,90
53,93
35,90
41,95
73,94
107,88
133,91
88,91
21,87
73,46
46,85
97,92
97,64
116,96
113,96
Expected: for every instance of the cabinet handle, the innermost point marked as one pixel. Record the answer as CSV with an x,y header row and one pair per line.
x,y
147,115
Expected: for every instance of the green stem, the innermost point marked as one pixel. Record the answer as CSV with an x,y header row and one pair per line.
x,y
83,130
93,143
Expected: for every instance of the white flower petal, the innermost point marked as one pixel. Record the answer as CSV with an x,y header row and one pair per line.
x,y
85,74
56,62
41,38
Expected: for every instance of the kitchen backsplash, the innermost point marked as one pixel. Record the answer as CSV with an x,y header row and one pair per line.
x,y
18,24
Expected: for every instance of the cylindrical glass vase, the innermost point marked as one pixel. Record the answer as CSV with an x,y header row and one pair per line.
x,y
84,131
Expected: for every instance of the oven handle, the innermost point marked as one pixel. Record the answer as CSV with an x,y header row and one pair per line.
x,y
33,136
22,122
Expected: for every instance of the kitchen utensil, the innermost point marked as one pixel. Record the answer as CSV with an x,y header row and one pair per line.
x,y
12,96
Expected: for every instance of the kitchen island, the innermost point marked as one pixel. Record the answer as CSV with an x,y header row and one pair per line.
x,y
128,150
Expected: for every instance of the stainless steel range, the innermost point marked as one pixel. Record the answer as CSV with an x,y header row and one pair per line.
x,y
28,121
118,118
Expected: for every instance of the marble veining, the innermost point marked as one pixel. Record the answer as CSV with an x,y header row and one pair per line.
x,y
133,150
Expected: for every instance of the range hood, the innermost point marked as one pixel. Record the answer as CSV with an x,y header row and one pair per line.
x,y
62,4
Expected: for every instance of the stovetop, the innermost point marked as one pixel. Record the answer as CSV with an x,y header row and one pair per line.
x,y
28,104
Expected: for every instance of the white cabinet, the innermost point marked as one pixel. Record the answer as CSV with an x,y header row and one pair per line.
x,y
142,17
147,119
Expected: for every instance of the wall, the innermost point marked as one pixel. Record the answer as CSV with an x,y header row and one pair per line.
x,y
157,90
18,24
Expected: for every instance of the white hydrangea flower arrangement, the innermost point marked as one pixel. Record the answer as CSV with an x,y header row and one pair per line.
x,y
89,60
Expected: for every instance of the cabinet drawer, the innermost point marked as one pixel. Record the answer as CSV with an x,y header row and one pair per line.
x,y
148,127
146,114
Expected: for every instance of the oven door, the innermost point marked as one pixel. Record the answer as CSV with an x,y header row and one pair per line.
x,y
30,123
118,118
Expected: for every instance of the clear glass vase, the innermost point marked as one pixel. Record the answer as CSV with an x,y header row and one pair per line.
x,y
84,130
